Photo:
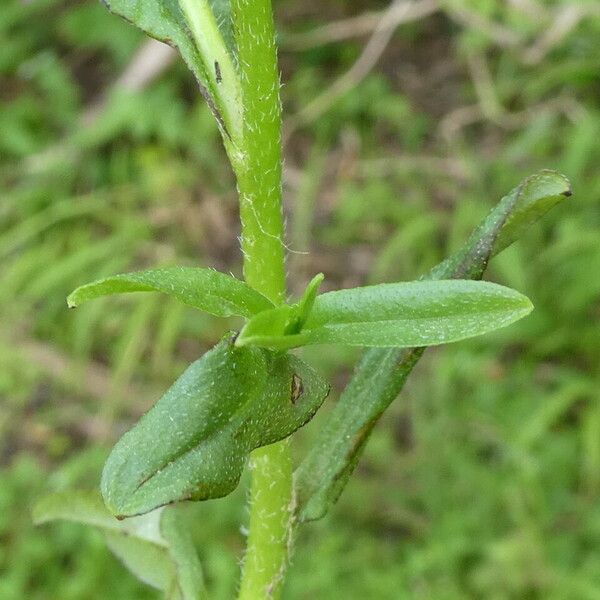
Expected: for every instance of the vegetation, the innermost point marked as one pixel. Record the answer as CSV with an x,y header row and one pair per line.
x,y
518,425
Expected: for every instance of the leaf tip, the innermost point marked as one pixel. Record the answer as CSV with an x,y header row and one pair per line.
x,y
530,305
116,508
318,279
526,306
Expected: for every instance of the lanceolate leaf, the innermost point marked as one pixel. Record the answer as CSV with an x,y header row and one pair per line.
x,y
207,20
519,209
194,443
165,21
155,547
381,374
307,302
209,290
417,313
536,196
189,582
279,327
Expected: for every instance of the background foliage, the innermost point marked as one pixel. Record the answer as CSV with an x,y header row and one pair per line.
x,y
483,480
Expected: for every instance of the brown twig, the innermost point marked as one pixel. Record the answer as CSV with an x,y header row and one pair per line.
x,y
566,19
354,27
381,36
151,60
456,120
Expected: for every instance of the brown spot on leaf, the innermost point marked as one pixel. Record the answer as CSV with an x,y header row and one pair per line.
x,y
297,388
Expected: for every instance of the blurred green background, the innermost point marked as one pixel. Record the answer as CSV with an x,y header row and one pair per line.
x,y
483,479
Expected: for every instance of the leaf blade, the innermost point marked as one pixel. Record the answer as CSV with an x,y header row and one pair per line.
x,y
206,289
307,301
537,195
381,373
155,547
399,315
420,313
165,21
225,405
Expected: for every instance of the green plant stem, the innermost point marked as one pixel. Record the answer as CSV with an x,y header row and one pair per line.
x,y
259,169
270,524
259,185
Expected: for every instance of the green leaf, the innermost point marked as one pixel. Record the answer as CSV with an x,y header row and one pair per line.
x,y
209,290
270,328
533,199
202,32
519,209
189,582
381,374
194,443
417,313
211,27
155,547
280,327
307,302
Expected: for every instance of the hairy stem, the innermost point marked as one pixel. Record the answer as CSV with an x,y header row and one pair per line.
x,y
259,185
259,169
